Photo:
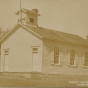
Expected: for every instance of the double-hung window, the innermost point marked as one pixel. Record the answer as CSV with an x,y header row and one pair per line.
x,y
72,57
56,55
86,59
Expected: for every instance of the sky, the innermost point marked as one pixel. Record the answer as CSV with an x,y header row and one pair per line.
x,y
69,16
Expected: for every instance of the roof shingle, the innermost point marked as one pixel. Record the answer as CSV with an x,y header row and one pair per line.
x,y
59,36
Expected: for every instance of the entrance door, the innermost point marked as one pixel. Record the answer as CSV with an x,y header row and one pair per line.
x,y
35,59
6,62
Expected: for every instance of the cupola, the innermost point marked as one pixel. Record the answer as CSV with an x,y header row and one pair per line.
x,y
28,17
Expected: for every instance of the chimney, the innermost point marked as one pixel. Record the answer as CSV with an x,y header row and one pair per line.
x,y
87,37
35,10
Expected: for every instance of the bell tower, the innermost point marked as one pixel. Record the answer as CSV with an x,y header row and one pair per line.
x,y
28,17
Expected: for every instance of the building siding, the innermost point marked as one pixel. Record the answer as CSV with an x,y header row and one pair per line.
x,y
48,56
20,44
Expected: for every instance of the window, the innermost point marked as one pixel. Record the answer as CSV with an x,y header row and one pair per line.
x,y
86,59
56,55
35,50
72,57
31,20
6,51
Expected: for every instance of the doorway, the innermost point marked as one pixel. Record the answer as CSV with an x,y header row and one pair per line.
x,y
35,58
6,61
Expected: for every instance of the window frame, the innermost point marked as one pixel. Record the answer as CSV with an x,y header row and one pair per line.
x,y
6,51
72,57
86,59
34,51
56,56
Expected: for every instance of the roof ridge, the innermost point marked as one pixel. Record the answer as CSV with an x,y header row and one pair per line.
x,y
59,36
66,37
58,31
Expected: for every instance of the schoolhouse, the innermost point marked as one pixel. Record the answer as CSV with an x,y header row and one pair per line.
x,y
30,48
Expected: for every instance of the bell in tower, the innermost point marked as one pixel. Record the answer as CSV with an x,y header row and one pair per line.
x,y
28,16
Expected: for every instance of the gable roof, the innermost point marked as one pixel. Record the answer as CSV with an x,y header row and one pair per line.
x,y
59,36
27,11
52,35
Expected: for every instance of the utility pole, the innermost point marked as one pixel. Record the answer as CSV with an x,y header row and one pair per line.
x,y
20,4
20,13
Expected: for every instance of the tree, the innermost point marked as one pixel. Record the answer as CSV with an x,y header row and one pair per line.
x,y
0,32
3,33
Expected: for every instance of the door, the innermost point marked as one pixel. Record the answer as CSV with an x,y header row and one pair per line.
x,y
35,59
6,56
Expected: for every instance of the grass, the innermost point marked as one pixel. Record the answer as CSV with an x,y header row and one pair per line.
x,y
44,81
